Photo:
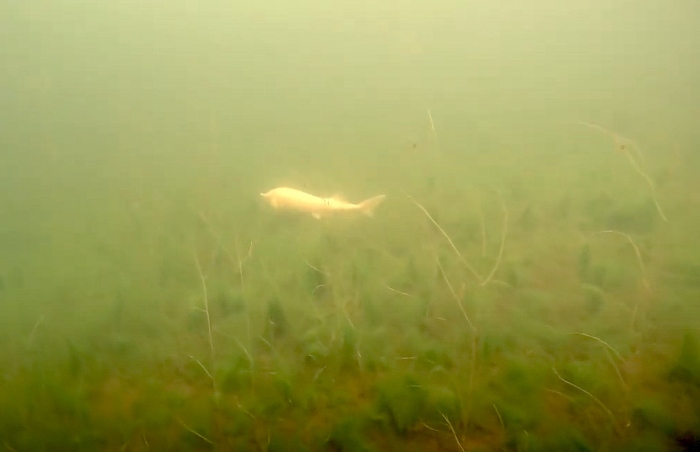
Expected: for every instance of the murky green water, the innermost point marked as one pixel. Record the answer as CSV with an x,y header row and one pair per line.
x,y
529,283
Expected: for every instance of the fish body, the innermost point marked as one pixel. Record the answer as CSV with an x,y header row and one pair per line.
x,y
318,207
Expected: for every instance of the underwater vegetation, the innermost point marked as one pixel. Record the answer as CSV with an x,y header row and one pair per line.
x,y
519,320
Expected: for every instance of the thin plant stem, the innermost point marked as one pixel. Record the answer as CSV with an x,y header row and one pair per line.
x,y
433,132
602,342
216,236
33,333
617,369
240,261
483,230
608,349
650,183
633,319
248,355
204,368
472,362
206,306
449,240
398,291
429,427
504,233
601,404
199,435
624,145
211,340
559,393
631,241
455,296
453,431
500,419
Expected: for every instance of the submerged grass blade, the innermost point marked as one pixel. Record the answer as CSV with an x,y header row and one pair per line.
x,y
449,240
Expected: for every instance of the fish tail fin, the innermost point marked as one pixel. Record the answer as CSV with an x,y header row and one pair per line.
x,y
368,205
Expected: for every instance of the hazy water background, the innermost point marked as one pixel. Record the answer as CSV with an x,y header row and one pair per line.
x,y
122,122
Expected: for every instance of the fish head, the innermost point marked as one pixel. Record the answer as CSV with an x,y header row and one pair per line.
x,y
270,198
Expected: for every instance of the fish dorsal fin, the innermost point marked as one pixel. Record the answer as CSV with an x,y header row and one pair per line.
x,y
338,197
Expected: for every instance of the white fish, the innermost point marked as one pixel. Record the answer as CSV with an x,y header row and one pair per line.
x,y
292,199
